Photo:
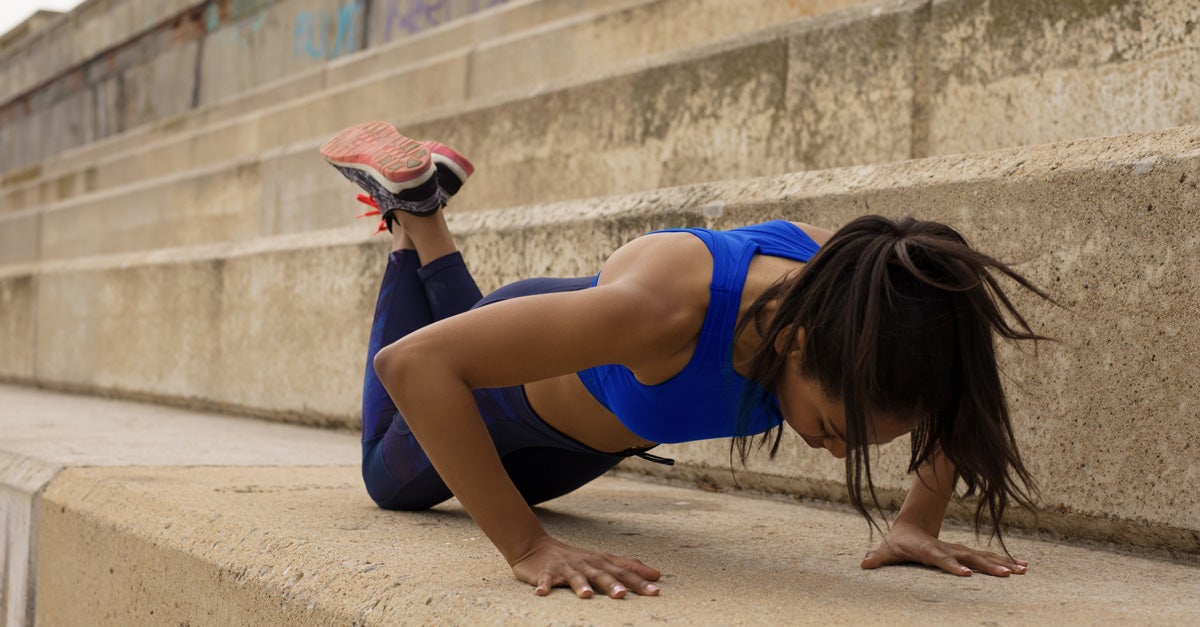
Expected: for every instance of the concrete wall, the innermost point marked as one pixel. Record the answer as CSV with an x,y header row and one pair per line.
x,y
392,20
113,65
282,39
808,104
277,327
148,78
95,26
920,80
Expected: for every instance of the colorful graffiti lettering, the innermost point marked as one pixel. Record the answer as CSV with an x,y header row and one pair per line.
x,y
327,34
414,16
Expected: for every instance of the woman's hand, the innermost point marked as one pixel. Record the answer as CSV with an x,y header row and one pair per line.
x,y
909,542
553,563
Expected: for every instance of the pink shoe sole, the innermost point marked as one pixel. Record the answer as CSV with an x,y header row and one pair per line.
x,y
377,149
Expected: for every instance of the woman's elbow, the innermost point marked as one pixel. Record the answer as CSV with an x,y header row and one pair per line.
x,y
391,361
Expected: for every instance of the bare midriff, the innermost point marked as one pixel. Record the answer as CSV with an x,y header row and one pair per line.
x,y
565,404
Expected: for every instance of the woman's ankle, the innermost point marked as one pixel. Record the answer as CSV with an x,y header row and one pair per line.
x,y
428,235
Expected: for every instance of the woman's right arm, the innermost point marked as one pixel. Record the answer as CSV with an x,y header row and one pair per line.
x,y
429,374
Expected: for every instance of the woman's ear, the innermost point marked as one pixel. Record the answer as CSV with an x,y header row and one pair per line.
x,y
785,345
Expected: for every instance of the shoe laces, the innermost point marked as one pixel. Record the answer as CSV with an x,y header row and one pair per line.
x,y
367,200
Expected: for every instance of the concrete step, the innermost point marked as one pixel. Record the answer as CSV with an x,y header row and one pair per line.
x,y
81,35
140,514
1097,222
689,117
514,49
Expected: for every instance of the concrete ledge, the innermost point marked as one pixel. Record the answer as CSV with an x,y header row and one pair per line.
x,y
305,546
164,516
45,433
691,117
1103,224
451,64
86,31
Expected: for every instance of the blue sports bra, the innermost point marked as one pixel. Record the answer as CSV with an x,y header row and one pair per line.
x,y
702,401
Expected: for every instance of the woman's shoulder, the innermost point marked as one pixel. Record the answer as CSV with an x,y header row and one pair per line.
x,y
670,272
671,263
817,234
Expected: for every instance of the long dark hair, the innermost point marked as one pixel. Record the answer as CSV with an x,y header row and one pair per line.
x,y
899,318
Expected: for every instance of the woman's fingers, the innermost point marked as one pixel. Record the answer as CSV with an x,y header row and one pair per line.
x,y
947,561
637,566
608,578
555,563
993,564
579,583
607,582
909,544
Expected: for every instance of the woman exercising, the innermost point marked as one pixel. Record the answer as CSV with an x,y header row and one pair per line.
x,y
851,339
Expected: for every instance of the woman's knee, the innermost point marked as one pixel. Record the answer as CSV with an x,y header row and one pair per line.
x,y
419,492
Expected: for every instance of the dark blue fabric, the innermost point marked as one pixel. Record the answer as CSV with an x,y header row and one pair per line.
x,y
542,462
703,400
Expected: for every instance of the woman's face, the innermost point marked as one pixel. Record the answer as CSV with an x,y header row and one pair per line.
x,y
821,420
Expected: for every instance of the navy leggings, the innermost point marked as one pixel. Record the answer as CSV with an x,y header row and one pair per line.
x,y
542,462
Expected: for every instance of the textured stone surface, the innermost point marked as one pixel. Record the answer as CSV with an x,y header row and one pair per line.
x,y
851,87
1040,71
19,237
874,83
582,43
16,326
77,37
305,546
1104,224
283,38
148,73
217,327
44,433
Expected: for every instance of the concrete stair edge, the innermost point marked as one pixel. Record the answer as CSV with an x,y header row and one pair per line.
x,y
1017,208
188,532
201,121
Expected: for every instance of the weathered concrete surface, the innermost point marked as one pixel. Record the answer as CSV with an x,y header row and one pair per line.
x,y
581,45
305,546
449,65
1104,224
92,27
696,116
36,22
44,433
216,327
21,480
282,38
391,58
149,74
19,236
1042,71
16,326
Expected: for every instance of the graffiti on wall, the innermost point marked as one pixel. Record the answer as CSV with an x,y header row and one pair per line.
x,y
409,17
321,34
240,22
327,33
334,31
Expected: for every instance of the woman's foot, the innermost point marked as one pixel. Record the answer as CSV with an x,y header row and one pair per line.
x,y
453,169
396,171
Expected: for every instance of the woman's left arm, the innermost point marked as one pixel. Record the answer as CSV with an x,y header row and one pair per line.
x,y
914,534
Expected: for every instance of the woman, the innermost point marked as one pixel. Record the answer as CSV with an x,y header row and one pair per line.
x,y
527,394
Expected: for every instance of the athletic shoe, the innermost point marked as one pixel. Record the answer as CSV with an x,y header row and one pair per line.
x,y
453,168
397,172
384,224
